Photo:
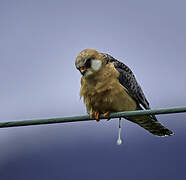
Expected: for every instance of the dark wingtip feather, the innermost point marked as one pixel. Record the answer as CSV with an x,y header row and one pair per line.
x,y
165,132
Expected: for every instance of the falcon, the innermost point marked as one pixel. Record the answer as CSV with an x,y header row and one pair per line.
x,y
108,85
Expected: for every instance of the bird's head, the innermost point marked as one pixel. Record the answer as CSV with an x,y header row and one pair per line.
x,y
89,62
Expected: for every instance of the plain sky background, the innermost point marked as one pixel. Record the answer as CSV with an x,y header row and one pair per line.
x,y
39,41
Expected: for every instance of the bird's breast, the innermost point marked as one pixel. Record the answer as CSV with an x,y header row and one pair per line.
x,y
106,93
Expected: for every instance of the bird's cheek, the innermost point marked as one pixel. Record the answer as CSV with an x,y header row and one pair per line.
x,y
96,65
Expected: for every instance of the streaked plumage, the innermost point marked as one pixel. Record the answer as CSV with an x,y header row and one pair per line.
x,y
108,85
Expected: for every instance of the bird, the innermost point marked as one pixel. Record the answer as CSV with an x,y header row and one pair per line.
x,y
108,85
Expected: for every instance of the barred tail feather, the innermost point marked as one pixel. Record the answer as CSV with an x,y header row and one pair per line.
x,y
151,125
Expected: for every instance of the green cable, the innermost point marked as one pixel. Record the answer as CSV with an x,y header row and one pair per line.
x,y
87,117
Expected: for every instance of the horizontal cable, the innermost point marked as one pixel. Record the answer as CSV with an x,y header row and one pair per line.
x,y
87,117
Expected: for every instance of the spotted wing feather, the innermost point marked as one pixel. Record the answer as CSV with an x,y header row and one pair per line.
x,y
128,80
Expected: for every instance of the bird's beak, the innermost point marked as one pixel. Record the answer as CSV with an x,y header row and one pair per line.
x,y
83,70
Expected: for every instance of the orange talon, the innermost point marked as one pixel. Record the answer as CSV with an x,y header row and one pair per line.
x,y
97,116
106,114
92,115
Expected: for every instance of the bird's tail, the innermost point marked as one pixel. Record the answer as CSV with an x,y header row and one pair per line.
x,y
151,125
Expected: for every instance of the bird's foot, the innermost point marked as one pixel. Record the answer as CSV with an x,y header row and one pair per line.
x,y
95,114
92,115
106,114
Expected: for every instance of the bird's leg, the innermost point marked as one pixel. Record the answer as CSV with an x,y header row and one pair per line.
x,y
106,114
94,114
97,115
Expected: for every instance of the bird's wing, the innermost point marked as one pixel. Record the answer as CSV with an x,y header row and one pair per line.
x,y
128,80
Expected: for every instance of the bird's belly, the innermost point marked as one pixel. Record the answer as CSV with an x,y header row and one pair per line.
x,y
114,100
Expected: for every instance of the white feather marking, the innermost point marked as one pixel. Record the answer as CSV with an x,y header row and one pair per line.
x,y
119,141
96,64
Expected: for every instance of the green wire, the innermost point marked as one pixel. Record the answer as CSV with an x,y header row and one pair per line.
x,y
87,117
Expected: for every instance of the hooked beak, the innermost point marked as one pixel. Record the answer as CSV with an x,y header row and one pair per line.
x,y
83,70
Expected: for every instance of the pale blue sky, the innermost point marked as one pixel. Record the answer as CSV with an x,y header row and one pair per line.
x,y
39,41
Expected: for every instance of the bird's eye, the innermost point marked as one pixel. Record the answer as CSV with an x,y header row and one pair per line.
x,y
88,63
